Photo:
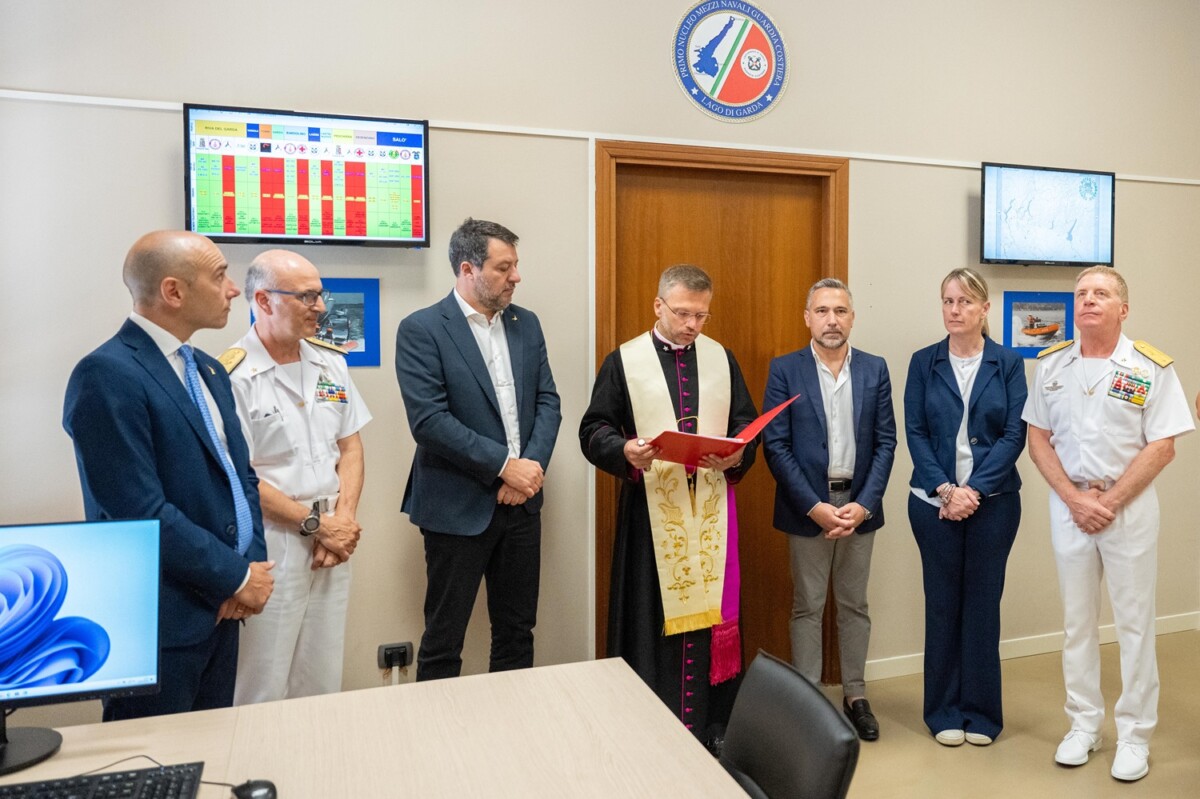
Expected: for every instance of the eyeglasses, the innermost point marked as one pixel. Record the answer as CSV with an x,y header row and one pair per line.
x,y
685,316
309,298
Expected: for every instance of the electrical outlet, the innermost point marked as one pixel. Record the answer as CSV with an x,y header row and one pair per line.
x,y
395,655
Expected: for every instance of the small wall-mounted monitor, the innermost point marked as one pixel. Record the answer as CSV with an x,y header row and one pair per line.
x,y
1045,215
285,177
78,620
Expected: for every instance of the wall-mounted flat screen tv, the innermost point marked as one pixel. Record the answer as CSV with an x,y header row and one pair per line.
x,y
1044,215
257,175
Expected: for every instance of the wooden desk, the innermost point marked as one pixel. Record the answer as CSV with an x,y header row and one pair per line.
x,y
577,730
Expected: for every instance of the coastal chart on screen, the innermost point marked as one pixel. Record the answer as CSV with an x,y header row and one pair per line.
x,y
1049,216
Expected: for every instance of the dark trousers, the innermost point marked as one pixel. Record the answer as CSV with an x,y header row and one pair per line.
x,y
963,564
507,555
196,677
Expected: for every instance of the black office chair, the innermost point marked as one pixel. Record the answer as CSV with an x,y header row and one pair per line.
x,y
784,737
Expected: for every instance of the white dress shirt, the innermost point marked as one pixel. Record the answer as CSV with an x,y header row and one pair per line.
x,y
493,345
166,341
837,398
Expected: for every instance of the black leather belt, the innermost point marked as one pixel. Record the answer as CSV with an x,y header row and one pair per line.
x,y
839,485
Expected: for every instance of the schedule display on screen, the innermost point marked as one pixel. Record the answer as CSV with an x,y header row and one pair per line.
x,y
283,176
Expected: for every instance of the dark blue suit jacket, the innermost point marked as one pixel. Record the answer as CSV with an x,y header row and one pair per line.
x,y
143,453
933,409
797,441
455,417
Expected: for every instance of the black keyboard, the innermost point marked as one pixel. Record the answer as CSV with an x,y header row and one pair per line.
x,y
168,782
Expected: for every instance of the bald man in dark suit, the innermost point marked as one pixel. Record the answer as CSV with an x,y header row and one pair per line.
x,y
156,437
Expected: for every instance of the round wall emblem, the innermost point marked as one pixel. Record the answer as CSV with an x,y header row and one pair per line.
x,y
730,59
1088,187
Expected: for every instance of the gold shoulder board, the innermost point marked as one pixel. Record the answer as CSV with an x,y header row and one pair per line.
x,y
1059,346
1154,354
231,358
316,342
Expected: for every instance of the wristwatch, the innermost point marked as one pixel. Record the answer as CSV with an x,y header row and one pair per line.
x,y
312,522
867,515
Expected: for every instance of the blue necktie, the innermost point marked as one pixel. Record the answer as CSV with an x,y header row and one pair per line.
x,y
191,378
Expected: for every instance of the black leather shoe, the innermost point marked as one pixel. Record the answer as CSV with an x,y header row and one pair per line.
x,y
862,718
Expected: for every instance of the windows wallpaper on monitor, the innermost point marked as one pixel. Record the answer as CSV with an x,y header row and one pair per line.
x,y
78,608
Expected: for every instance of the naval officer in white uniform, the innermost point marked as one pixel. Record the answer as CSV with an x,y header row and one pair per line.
x,y
1103,414
301,414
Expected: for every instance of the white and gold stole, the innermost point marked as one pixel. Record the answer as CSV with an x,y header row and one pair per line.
x,y
689,527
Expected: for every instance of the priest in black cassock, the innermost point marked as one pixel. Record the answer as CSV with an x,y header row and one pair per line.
x,y
673,605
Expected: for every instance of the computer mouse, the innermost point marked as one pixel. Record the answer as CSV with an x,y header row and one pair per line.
x,y
255,789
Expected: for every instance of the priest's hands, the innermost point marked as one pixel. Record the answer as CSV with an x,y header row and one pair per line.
x,y
721,464
640,454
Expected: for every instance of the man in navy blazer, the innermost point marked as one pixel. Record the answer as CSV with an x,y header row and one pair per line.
x,y
831,454
484,412
144,451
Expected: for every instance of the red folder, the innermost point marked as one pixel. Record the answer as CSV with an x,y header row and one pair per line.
x,y
689,448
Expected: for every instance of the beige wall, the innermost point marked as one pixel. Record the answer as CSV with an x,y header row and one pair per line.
x,y
917,92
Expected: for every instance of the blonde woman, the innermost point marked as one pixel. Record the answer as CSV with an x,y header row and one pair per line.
x,y
962,408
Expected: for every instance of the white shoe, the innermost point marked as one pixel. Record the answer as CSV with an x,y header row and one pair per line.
x,y
950,737
978,739
1130,763
1075,748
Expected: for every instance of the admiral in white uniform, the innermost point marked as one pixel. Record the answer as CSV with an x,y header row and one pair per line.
x,y
1103,413
301,414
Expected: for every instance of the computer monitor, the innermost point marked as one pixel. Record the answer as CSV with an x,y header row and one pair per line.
x,y
1046,215
259,175
78,620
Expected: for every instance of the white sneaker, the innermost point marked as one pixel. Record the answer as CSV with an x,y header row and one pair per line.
x,y
950,737
1075,748
978,739
1130,763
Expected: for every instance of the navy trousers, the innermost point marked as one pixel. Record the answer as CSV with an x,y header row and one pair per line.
x,y
963,564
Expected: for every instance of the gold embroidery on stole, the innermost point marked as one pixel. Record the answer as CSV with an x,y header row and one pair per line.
x,y
688,519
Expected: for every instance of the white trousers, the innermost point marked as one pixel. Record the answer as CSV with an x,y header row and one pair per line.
x,y
295,646
1125,556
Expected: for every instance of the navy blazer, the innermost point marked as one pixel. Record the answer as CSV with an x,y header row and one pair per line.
x,y
143,453
455,417
797,441
933,412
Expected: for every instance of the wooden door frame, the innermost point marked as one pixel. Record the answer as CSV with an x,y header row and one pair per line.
x,y
834,177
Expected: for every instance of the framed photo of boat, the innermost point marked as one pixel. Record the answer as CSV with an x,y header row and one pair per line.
x,y
351,318
1034,320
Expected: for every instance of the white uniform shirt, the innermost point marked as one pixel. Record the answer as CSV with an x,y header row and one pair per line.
x,y
493,345
837,399
1099,423
293,431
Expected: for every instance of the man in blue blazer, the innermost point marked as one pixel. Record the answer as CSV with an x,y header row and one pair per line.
x,y
831,454
145,449
484,412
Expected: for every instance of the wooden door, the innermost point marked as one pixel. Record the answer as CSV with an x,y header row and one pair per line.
x,y
765,226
